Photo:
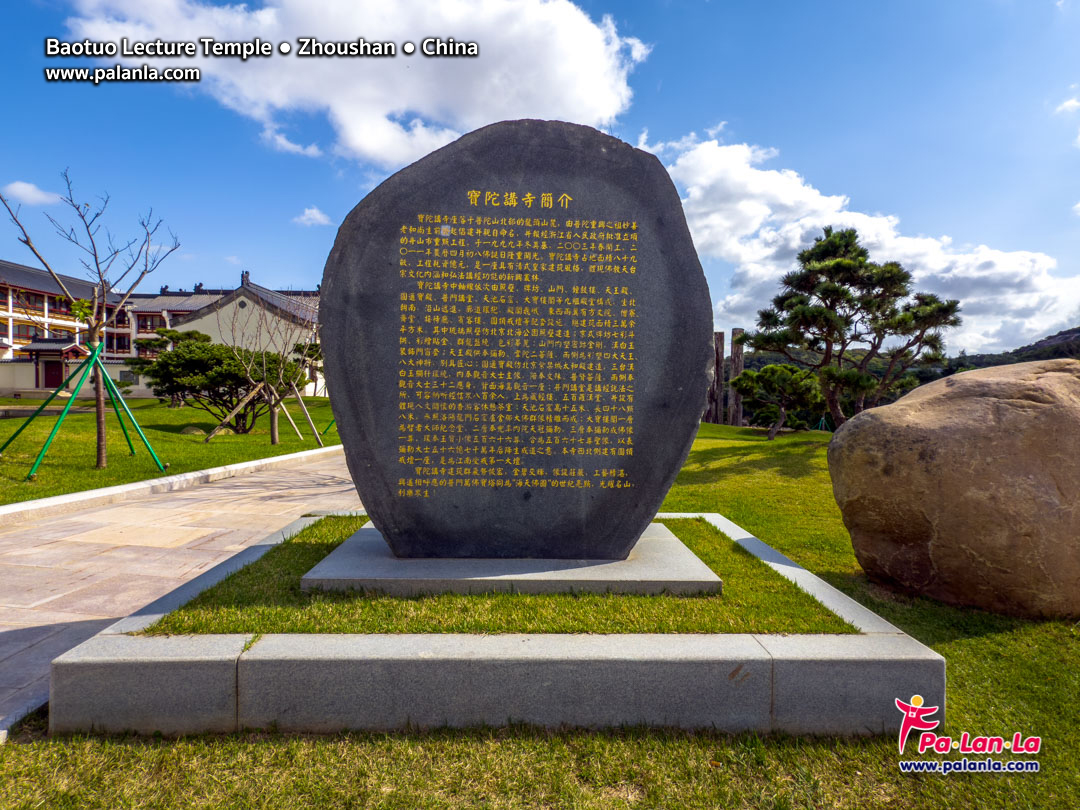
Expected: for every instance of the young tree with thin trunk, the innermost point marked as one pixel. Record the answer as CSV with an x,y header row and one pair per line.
x,y
109,264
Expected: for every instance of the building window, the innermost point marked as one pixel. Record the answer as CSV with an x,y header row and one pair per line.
x,y
121,318
3,329
58,305
30,301
117,343
61,333
150,323
26,331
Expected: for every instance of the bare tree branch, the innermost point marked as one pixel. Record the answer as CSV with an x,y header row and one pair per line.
x,y
272,345
151,258
99,258
26,240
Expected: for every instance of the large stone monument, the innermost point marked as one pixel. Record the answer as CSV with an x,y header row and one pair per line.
x,y
518,336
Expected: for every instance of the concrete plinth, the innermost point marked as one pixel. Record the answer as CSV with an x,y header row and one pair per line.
x,y
659,563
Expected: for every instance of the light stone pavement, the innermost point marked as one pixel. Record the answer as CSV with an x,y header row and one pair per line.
x,y
62,579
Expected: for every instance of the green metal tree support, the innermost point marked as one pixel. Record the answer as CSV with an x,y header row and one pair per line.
x,y
117,399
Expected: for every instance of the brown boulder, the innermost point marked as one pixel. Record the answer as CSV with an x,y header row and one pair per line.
x,y
967,489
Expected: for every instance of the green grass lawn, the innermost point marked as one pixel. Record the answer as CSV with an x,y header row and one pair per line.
x,y
69,465
265,597
1004,675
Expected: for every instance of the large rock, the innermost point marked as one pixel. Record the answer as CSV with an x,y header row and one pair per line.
x,y
518,335
967,490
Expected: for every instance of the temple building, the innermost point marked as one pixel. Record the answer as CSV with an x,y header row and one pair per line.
x,y
39,338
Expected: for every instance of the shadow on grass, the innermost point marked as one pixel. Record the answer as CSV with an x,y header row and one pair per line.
x,y
791,456
178,429
926,619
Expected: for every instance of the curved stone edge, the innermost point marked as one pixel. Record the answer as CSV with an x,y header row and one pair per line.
x,y
799,684
60,504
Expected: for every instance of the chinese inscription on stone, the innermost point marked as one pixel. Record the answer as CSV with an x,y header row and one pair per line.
x,y
516,331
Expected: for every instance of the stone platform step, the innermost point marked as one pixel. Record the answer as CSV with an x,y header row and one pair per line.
x,y
658,563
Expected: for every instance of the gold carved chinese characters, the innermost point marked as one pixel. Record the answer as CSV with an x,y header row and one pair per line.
x,y
515,348
511,199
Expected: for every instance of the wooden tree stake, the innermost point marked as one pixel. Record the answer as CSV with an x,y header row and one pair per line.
x,y
250,396
307,415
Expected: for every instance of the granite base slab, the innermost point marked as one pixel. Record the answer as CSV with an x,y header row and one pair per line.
x,y
658,563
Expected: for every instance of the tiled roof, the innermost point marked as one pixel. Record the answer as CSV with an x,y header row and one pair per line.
x,y
174,303
304,306
19,275
300,304
50,345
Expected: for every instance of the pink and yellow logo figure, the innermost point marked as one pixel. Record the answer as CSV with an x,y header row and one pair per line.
x,y
915,716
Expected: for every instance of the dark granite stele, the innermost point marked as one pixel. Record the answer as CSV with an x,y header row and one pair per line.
x,y
371,272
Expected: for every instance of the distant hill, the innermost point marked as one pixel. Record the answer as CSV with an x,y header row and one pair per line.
x,y
1063,344
1067,341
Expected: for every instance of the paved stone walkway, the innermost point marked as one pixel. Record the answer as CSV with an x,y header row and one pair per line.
x,y
62,579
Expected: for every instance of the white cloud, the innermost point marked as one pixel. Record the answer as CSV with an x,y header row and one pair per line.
x,y
1076,209
271,136
312,216
233,260
538,59
759,218
29,194
714,132
1070,105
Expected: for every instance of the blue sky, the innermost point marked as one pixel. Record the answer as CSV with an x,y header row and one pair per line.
x,y
947,133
